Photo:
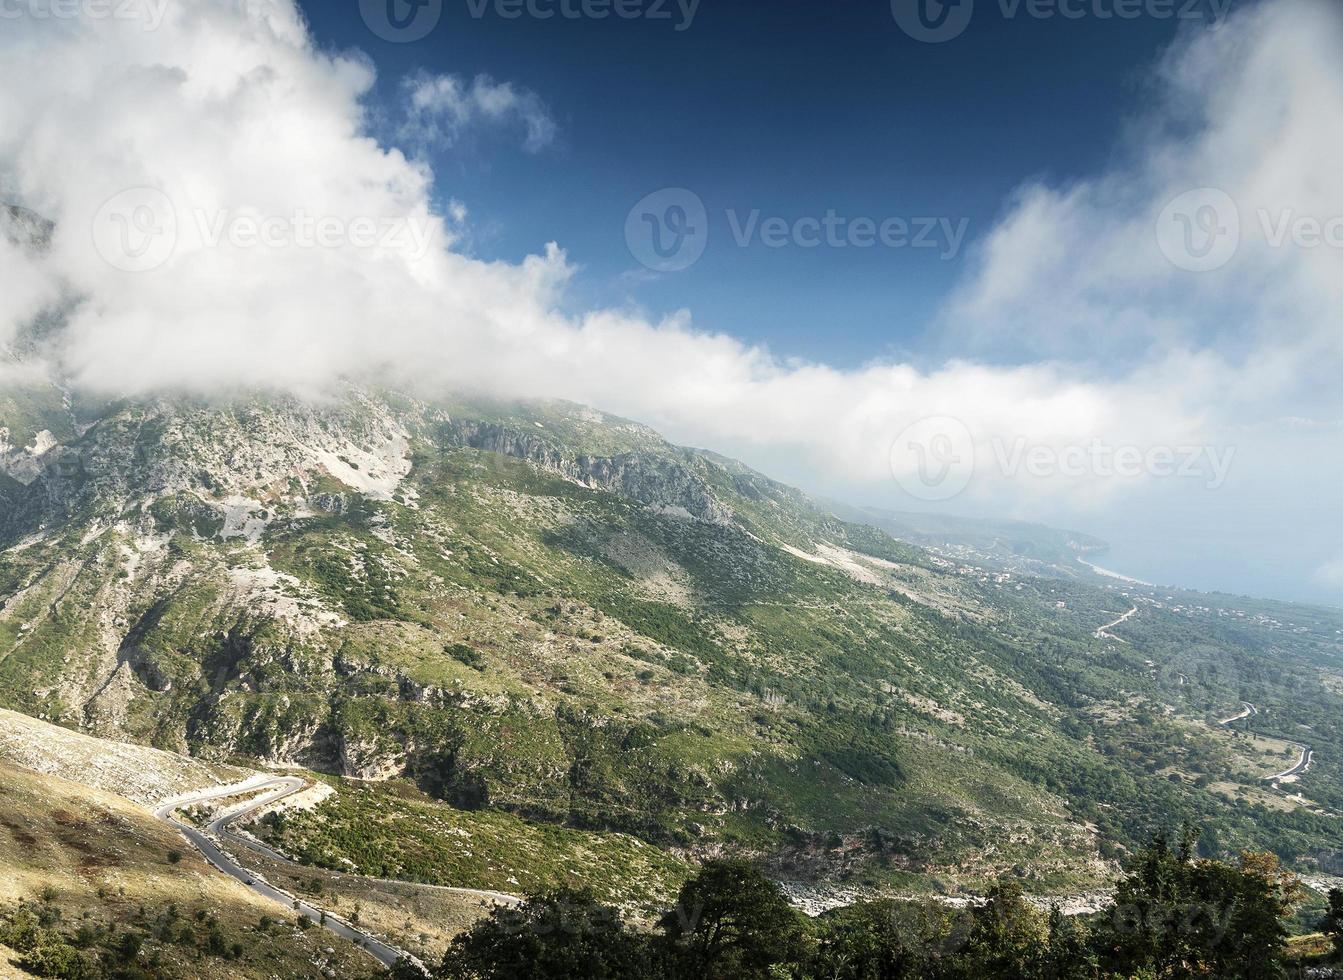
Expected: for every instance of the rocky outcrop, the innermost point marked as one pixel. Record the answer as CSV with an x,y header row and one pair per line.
x,y
656,481
369,758
106,710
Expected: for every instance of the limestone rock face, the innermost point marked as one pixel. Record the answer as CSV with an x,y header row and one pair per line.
x,y
655,481
369,759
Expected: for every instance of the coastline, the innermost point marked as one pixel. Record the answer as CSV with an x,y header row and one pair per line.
x,y
1108,573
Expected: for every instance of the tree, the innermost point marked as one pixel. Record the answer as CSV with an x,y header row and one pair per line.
x,y
128,946
1068,955
731,922
1196,918
1265,895
1007,935
404,969
562,934
863,942
1332,924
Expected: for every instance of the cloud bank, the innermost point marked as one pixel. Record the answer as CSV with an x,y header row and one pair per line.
x,y
299,250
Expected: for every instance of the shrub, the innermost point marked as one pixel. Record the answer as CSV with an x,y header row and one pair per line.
x,y
56,960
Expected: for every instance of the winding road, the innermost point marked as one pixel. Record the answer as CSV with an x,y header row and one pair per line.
x,y
1104,631
1248,710
1302,763
280,786
220,827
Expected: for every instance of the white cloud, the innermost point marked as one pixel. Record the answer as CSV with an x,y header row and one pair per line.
x,y
441,107
228,109
1330,574
26,288
1251,110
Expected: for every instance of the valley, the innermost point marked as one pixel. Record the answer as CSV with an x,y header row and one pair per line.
x,y
519,646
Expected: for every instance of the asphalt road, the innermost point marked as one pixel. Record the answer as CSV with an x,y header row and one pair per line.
x,y
281,787
1302,764
1246,711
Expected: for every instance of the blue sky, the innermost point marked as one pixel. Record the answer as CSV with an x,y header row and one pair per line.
x,y
793,108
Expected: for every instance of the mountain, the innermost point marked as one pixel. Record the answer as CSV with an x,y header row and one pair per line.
x,y
536,639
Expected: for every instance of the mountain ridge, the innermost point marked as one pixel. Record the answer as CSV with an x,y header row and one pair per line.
x,y
547,611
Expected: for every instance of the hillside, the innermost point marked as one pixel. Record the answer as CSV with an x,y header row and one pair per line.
x,y
91,874
143,775
107,859
547,615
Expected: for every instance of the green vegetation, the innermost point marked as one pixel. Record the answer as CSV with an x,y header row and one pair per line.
x,y
565,933
87,950
1332,924
1174,915
730,921
395,832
